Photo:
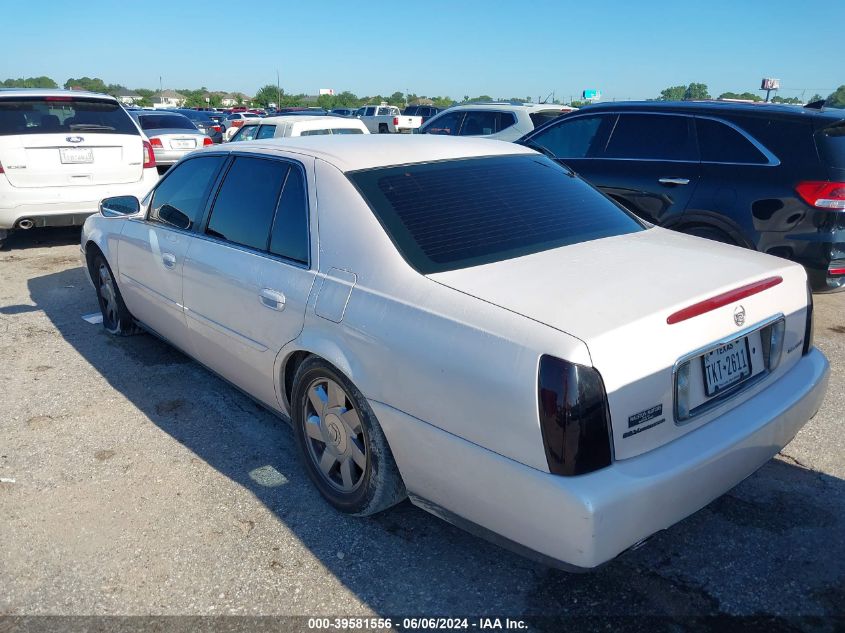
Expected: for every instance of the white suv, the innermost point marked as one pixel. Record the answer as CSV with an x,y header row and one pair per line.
x,y
63,151
502,121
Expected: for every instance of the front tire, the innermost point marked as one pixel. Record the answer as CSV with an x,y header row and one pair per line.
x,y
341,443
117,319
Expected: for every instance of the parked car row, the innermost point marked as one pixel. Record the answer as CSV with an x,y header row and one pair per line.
x,y
469,324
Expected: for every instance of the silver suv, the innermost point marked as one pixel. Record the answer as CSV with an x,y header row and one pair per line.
x,y
502,121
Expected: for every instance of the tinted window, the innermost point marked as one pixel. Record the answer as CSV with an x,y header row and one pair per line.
x,y
266,131
315,132
185,189
460,213
243,210
447,124
61,115
482,123
651,136
347,130
246,133
720,143
289,237
832,145
165,121
370,111
571,138
538,118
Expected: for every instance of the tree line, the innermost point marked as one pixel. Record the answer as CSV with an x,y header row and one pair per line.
x,y
270,93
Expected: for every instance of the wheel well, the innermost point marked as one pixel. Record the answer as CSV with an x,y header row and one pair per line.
x,y
91,251
291,365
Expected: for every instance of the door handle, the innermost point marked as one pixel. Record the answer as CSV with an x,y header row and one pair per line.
x,y
673,181
169,260
272,299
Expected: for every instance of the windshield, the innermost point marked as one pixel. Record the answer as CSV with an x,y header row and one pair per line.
x,y
460,213
57,115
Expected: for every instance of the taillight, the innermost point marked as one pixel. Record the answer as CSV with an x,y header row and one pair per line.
x,y
822,194
216,128
395,121
1,169
149,157
574,417
237,123
207,141
808,326
156,142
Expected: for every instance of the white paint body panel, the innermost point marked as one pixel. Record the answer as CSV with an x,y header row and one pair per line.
x,y
449,362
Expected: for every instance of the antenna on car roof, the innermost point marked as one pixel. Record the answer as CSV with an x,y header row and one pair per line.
x,y
816,105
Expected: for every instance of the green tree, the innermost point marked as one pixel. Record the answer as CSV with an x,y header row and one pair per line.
x,y
697,91
326,101
268,94
791,100
30,82
347,99
747,96
673,93
397,99
815,97
836,98
94,84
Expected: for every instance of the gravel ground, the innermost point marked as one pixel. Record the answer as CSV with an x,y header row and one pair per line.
x,y
135,482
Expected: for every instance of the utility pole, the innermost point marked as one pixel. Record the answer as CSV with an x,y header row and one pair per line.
x,y
278,91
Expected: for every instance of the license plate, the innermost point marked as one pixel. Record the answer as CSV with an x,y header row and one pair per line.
x,y
726,366
183,144
74,155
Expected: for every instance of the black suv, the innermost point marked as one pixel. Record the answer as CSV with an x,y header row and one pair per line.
x,y
768,177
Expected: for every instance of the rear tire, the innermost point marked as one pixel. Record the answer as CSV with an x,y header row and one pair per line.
x,y
341,443
117,320
382,128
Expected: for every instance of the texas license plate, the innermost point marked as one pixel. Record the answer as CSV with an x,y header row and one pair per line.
x,y
189,144
726,366
73,155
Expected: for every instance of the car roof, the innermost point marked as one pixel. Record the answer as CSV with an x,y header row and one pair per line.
x,y
716,106
512,106
366,151
41,92
301,118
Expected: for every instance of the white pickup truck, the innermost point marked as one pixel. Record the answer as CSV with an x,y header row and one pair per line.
x,y
387,119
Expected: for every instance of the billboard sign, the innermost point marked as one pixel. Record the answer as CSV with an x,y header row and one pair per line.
x,y
591,95
326,91
770,84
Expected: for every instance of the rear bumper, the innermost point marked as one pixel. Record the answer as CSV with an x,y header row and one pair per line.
x,y
585,521
171,156
63,206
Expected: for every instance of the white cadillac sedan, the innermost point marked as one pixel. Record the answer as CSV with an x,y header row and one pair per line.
x,y
467,323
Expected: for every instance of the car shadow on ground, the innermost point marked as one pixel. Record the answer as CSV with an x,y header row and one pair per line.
x,y
772,546
41,238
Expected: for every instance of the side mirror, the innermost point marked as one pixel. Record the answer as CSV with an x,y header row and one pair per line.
x,y
119,206
173,216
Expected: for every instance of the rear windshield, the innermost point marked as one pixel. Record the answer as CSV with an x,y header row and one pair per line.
x,y
165,122
59,115
539,118
460,213
832,145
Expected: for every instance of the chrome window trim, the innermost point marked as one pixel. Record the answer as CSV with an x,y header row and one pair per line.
x,y
773,161
722,398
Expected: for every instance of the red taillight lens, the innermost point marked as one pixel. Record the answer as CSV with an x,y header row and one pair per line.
x,y
216,128
395,121
1,169
156,142
149,157
574,417
822,194
237,123
207,141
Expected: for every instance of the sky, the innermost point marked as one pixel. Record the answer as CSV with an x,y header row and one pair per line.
x,y
626,49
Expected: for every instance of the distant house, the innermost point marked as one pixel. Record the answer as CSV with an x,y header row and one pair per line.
x,y
168,99
127,97
231,99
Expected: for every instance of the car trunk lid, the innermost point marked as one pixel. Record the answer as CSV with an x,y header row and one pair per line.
x,y
617,295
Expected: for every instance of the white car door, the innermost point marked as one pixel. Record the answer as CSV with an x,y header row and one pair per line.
x,y
152,249
247,279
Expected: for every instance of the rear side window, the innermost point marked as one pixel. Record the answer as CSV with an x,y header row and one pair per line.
x,y
460,213
483,123
720,143
289,236
246,133
62,115
447,124
652,136
266,131
347,130
165,121
831,141
573,138
245,205
184,190
322,132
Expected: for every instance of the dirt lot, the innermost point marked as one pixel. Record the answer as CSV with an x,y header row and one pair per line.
x,y
136,482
